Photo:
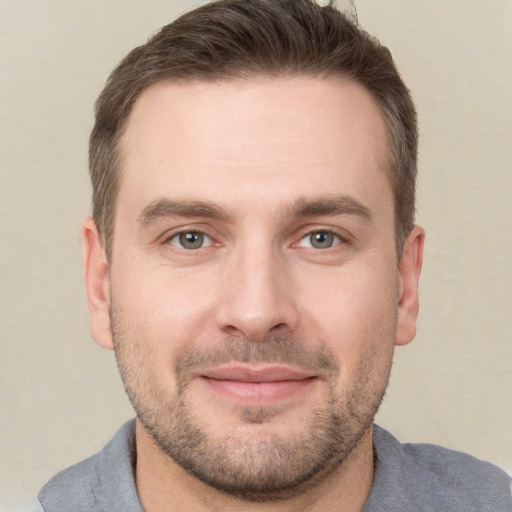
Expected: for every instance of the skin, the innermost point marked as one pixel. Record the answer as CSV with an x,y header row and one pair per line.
x,y
257,167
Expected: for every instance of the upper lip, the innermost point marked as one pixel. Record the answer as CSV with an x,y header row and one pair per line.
x,y
242,373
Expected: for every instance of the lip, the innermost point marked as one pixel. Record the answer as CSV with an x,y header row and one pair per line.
x,y
256,385
253,374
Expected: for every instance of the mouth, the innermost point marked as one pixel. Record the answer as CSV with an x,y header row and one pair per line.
x,y
252,385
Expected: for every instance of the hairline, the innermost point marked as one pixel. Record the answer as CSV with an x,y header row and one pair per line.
x,y
119,140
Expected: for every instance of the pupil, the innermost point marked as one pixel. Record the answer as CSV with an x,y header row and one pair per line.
x,y
321,240
191,240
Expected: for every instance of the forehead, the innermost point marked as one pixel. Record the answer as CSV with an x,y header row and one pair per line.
x,y
267,137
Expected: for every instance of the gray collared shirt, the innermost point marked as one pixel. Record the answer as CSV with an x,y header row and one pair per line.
x,y
408,477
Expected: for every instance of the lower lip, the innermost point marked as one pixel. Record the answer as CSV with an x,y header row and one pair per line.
x,y
258,392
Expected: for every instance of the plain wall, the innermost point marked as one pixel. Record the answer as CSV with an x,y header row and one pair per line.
x,y
60,396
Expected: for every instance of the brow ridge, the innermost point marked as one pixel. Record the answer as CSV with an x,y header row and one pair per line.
x,y
302,207
164,207
330,206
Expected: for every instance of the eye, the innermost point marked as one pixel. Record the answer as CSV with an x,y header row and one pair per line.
x,y
320,240
190,240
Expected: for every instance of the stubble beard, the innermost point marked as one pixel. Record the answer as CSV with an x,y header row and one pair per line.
x,y
264,467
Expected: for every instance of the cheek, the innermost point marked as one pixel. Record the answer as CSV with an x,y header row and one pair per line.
x,y
165,308
352,311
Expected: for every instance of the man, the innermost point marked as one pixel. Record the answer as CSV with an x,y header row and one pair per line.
x,y
253,260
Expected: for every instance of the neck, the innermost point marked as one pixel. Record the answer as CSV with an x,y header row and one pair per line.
x,y
164,486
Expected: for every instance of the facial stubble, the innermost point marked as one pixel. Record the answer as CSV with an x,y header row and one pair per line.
x,y
265,466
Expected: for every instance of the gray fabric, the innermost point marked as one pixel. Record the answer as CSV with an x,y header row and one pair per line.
x,y
428,478
104,482
408,478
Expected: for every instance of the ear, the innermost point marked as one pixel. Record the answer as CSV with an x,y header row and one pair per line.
x,y
409,273
97,286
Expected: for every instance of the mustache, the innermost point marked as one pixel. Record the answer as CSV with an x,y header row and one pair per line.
x,y
272,349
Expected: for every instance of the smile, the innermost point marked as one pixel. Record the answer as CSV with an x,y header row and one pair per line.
x,y
256,386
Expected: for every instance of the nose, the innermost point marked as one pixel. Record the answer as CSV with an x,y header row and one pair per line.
x,y
258,298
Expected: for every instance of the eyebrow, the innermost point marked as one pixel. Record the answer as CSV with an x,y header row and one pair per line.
x,y
162,208
328,206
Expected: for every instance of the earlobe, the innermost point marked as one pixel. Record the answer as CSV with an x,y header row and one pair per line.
x,y
96,276
409,274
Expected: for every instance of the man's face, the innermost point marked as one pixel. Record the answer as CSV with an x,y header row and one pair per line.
x,y
254,288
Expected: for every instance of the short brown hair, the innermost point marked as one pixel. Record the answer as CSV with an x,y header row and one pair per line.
x,y
246,38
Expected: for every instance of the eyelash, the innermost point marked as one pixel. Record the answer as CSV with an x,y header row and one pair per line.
x,y
200,232
339,239
324,231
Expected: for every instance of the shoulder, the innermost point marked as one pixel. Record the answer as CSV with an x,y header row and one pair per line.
x,y
98,481
71,487
430,477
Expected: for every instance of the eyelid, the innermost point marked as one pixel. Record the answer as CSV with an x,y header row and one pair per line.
x,y
325,231
207,241
342,235
176,232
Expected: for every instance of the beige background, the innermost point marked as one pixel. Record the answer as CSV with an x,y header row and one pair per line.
x,y
60,395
